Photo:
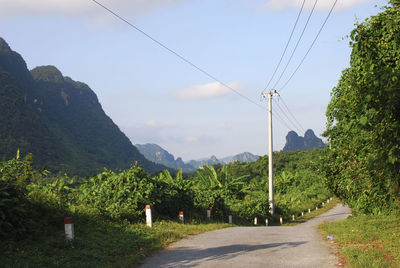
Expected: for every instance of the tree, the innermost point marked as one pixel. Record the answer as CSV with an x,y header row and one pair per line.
x,y
362,166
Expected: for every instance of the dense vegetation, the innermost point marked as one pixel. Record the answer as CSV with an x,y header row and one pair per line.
x,y
59,121
33,203
238,188
362,166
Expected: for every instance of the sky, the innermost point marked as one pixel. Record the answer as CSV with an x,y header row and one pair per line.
x,y
156,97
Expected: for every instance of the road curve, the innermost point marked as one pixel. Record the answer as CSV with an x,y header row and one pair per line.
x,y
277,246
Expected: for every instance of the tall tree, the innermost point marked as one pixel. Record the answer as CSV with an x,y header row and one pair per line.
x,y
364,118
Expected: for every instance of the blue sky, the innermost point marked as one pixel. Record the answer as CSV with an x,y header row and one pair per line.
x,y
155,97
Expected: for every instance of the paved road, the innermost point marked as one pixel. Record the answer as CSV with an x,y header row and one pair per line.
x,y
280,246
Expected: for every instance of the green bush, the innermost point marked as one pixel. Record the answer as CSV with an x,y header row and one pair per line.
x,y
15,175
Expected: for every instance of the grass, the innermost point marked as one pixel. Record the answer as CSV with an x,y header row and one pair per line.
x,y
367,240
97,244
314,213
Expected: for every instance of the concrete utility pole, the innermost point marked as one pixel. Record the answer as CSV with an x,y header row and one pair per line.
x,y
270,94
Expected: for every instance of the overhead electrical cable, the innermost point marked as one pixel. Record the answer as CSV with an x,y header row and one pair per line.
x,y
287,108
297,44
312,44
288,118
177,54
284,51
282,120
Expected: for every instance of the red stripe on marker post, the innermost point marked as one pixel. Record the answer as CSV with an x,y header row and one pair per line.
x,y
68,220
181,216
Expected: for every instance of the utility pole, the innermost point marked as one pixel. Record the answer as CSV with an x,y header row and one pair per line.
x,y
270,94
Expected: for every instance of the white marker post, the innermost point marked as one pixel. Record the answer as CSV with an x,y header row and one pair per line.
x,y
149,221
327,201
230,219
266,222
309,210
323,204
316,208
69,229
181,216
255,220
292,217
302,213
208,213
331,198
281,220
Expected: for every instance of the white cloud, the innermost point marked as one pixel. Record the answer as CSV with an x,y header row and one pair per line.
x,y
322,5
223,125
151,123
155,123
204,91
10,8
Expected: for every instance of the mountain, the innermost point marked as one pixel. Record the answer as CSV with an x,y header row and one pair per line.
x,y
157,154
59,120
295,142
245,157
213,160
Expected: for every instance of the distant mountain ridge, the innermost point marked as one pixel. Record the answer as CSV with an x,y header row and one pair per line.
x,y
157,154
243,157
59,120
295,142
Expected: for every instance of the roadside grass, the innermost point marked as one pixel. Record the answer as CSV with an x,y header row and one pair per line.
x,y
314,213
97,244
367,240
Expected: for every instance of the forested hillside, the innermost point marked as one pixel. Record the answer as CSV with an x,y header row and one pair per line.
x,y
59,120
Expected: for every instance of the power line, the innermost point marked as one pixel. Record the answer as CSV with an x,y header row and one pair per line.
x,y
282,121
284,51
288,118
287,108
297,44
177,54
312,44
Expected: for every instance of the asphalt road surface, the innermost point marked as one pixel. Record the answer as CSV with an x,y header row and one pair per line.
x,y
277,246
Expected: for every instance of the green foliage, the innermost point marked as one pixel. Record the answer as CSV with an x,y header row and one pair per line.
x,y
362,166
15,175
171,195
117,196
296,183
123,196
